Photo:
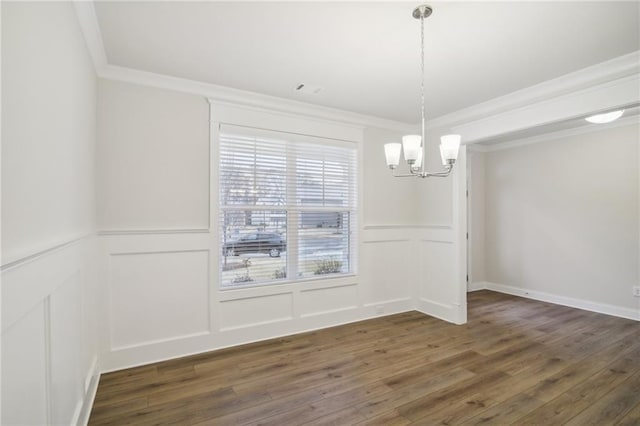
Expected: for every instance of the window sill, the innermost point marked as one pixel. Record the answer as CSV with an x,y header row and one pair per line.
x,y
275,287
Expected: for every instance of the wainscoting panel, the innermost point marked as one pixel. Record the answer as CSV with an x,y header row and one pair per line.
x,y
158,296
439,286
255,311
49,328
386,270
27,282
24,370
164,301
328,300
436,270
67,380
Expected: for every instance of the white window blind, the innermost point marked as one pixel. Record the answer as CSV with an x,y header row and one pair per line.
x,y
287,207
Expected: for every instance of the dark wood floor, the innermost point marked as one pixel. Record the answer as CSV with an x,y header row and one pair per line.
x,y
517,361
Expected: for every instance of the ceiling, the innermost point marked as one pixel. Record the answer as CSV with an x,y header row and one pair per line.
x,y
365,56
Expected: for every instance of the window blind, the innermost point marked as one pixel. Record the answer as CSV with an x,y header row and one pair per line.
x,y
288,207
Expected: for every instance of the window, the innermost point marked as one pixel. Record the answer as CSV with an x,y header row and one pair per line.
x,y
287,207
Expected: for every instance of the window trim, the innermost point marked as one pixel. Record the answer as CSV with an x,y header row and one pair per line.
x,y
224,113
294,152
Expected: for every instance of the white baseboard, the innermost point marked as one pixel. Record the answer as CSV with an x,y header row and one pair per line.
x,y
191,345
90,394
445,312
587,305
478,285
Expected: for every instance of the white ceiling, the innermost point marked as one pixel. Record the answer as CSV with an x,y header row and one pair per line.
x,y
366,55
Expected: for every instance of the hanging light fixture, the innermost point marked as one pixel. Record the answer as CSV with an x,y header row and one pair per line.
x,y
414,146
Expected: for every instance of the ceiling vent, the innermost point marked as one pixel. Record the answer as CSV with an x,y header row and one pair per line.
x,y
308,89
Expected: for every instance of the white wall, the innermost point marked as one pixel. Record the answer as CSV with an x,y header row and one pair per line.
x,y
387,201
48,117
153,171
163,261
562,219
436,195
49,341
476,219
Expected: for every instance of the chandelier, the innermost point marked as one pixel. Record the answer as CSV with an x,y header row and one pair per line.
x,y
413,145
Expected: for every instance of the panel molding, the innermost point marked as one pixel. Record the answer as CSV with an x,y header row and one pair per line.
x,y
154,231
404,226
35,282
40,253
31,280
387,302
224,333
91,388
153,342
329,311
118,342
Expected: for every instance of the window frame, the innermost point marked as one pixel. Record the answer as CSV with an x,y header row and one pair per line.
x,y
293,210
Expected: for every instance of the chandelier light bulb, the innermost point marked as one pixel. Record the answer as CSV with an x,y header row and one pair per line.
x,y
418,162
392,154
449,146
411,146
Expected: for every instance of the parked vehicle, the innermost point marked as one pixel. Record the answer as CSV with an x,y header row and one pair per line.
x,y
257,242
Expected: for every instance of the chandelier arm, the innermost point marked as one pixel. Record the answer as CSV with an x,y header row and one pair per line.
x,y
393,173
412,173
445,173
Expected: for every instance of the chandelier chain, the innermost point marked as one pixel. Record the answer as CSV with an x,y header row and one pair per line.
x,y
424,142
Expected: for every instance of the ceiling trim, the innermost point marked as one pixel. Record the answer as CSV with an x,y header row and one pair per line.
x,y
85,11
606,96
501,108
227,95
616,68
587,128
88,20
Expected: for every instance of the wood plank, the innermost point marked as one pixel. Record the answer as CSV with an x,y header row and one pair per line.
x,y
492,395
507,412
517,361
613,406
390,418
632,418
583,395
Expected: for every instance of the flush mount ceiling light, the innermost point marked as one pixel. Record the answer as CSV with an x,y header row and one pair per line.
x,y
414,145
607,117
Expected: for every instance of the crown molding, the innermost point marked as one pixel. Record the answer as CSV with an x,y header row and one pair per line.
x,y
88,20
587,128
610,95
581,80
87,17
227,95
613,69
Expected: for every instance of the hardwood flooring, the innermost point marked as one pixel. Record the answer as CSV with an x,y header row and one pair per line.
x,y
517,361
